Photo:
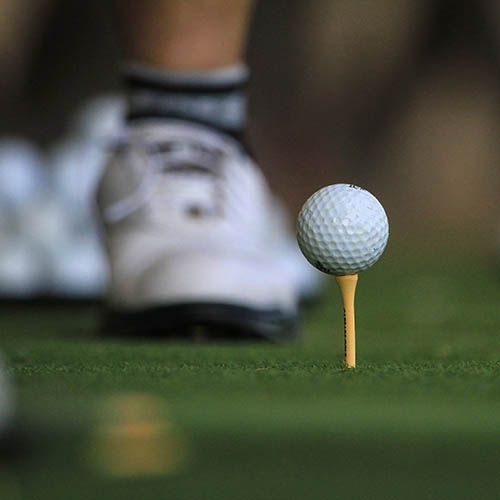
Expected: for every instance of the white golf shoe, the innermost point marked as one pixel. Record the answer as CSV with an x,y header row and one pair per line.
x,y
196,242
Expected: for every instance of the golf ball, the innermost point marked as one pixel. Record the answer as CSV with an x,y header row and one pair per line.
x,y
342,229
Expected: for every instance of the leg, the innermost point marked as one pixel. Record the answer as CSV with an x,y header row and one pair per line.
x,y
196,241
185,35
185,60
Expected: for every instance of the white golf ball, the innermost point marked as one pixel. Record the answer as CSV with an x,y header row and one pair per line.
x,y
79,267
23,176
342,229
23,267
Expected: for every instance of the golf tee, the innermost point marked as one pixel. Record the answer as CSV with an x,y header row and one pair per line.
x,y
347,284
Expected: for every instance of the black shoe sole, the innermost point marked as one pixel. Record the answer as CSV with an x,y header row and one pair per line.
x,y
201,322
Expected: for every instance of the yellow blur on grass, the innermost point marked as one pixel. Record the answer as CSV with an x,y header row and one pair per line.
x,y
135,436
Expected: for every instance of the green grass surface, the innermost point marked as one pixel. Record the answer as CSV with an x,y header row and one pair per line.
x,y
419,418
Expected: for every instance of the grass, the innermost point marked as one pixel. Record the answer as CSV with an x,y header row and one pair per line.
x,y
419,418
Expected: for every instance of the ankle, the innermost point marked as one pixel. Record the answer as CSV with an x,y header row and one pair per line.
x,y
214,98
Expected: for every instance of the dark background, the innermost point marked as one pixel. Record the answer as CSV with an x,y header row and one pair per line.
x,y
399,96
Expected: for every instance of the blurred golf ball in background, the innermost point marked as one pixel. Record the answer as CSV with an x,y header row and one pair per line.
x,y
49,233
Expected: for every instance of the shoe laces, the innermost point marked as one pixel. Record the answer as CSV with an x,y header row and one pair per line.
x,y
189,176
179,174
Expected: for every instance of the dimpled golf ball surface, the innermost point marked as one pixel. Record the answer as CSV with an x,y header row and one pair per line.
x,y
342,229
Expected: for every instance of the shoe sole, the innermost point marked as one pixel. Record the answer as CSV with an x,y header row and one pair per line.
x,y
202,322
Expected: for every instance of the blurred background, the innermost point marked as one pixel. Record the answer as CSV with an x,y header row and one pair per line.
x,y
398,96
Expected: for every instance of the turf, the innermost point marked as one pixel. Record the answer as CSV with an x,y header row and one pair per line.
x,y
419,418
